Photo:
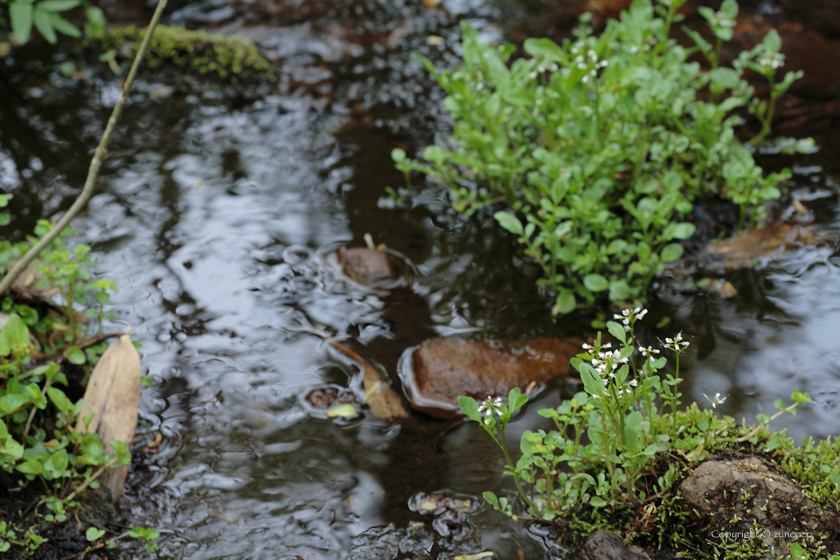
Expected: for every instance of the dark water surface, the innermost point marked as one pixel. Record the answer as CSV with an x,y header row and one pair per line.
x,y
214,219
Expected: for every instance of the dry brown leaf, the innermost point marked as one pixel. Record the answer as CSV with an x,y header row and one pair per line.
x,y
384,402
113,396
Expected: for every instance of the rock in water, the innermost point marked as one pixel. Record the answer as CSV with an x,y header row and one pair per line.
x,y
728,497
437,372
742,250
368,266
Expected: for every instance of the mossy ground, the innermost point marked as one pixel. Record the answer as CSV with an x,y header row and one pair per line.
x,y
227,58
667,527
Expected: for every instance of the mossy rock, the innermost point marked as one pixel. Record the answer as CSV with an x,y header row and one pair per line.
x,y
227,58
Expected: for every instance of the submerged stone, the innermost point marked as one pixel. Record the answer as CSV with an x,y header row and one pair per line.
x,y
439,371
742,250
369,267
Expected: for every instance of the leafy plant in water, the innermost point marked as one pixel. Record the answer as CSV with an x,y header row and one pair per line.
x,y
621,444
593,151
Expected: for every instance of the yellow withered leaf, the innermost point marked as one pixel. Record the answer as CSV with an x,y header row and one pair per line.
x,y
113,397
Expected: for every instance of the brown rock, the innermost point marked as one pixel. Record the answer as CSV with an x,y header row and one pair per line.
x,y
740,251
603,545
369,266
440,370
731,497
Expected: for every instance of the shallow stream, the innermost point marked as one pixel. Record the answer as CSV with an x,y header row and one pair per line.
x,y
214,218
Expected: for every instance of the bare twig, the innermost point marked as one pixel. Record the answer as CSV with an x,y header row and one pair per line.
x,y
95,163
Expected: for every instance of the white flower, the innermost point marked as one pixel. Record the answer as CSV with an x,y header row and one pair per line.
x,y
633,382
716,400
585,346
490,407
634,49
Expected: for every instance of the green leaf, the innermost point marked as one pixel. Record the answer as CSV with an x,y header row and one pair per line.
x,y
566,302
620,291
470,408
93,534
60,400
57,463
772,42
683,230
617,331
597,502
20,12
509,222
10,403
591,380
58,5
64,26
633,430
398,155
122,451
672,252
546,48
32,466
13,449
16,332
76,356
595,282
43,23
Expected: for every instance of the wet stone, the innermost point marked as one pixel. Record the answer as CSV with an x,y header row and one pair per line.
x,y
603,545
742,250
369,267
441,370
735,496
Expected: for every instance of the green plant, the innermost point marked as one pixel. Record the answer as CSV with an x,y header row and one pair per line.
x,y
45,16
621,444
150,535
592,152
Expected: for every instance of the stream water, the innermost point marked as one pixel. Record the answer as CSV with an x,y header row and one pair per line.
x,y
214,217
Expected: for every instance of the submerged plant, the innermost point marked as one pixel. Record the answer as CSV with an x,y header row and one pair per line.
x,y
592,152
622,443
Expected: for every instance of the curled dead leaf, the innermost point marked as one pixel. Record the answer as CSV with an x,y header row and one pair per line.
x,y
384,402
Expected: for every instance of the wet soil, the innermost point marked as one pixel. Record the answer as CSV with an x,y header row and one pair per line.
x,y
216,215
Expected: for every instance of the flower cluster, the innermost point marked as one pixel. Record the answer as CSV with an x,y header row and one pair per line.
x,y
491,408
588,62
648,352
542,68
716,400
677,344
630,316
720,19
772,60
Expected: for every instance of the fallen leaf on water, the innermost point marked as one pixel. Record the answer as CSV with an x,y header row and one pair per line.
x,y
113,397
475,556
342,410
431,3
384,402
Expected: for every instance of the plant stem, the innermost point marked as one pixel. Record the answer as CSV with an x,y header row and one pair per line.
x,y
95,163
764,424
95,475
501,442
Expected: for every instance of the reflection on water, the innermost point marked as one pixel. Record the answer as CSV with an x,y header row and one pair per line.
x,y
215,221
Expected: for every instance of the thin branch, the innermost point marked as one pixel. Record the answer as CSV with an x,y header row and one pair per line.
x,y
95,163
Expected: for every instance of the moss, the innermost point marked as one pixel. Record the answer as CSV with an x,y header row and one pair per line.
x,y
228,58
